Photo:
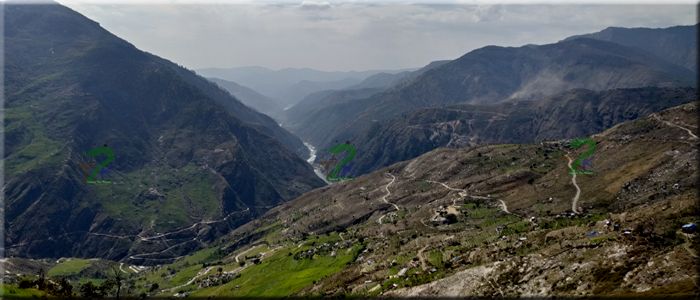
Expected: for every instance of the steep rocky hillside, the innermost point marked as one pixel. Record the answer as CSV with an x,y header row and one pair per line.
x,y
190,161
496,220
507,220
566,115
250,97
494,74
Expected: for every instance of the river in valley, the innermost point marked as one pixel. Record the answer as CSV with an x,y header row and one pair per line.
x,y
312,159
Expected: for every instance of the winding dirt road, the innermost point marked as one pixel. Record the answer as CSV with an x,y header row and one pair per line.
x,y
692,135
192,226
138,256
574,201
463,193
199,274
504,207
388,193
121,269
251,248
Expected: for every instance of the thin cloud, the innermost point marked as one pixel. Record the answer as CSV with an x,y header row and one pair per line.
x,y
331,35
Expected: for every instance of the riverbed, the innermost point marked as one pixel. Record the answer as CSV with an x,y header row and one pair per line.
x,y
312,159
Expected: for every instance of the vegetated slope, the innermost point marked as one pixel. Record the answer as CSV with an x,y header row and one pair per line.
x,y
259,121
677,44
495,74
191,161
566,115
491,220
250,97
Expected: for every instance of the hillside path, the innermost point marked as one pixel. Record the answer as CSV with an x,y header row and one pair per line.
x,y
139,256
504,206
692,135
463,193
192,226
199,274
388,192
249,249
574,201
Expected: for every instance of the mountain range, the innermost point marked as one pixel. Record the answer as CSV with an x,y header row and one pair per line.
x,y
464,183
318,101
487,76
290,85
185,150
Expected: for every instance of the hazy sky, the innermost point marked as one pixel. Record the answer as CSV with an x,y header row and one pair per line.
x,y
358,35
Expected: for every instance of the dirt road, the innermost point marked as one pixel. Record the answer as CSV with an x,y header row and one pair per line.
x,y
692,135
388,192
463,193
504,207
574,201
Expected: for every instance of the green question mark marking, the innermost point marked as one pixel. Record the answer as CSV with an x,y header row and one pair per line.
x,y
333,176
577,143
94,153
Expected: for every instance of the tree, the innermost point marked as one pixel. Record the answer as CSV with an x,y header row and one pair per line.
x,y
117,279
451,218
89,290
154,287
41,281
66,289
106,287
26,283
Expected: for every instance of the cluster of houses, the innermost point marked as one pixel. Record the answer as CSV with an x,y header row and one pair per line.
x,y
445,215
323,249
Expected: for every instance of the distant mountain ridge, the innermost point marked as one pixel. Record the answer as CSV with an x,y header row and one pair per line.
x,y
289,85
677,44
250,97
304,110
